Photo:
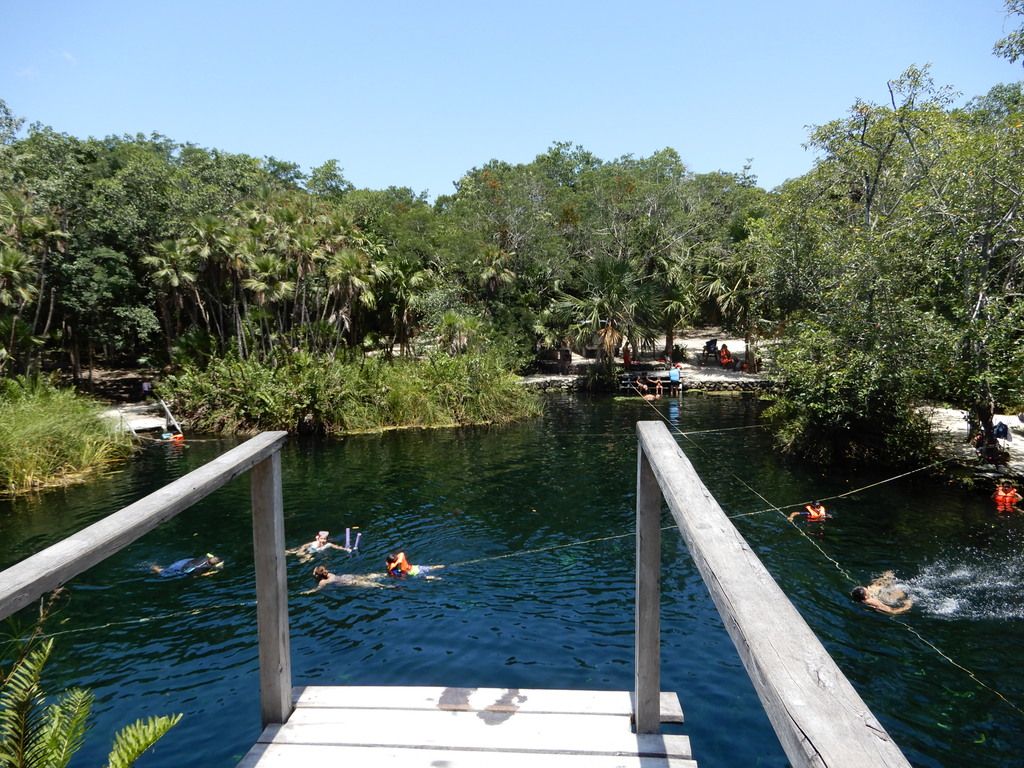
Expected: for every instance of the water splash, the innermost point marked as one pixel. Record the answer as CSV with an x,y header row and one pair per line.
x,y
972,584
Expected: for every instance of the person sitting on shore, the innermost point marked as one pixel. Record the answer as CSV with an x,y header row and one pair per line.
x,y
397,566
884,595
725,356
814,512
1007,497
317,545
206,565
325,578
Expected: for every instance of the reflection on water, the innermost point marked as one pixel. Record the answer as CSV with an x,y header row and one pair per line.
x,y
539,589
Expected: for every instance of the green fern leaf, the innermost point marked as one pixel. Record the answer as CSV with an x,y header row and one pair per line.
x,y
22,715
132,740
66,726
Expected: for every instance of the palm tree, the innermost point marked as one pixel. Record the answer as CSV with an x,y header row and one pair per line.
x,y
404,278
495,270
615,305
732,281
172,272
17,289
351,277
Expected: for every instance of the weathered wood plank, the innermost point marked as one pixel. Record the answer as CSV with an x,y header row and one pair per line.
x,y
533,700
272,589
819,718
647,642
501,731
306,755
25,582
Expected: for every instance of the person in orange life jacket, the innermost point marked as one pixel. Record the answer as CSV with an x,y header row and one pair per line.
x,y
1006,497
815,512
397,566
725,357
884,595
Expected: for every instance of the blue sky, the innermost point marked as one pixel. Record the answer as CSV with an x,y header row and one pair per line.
x,y
415,94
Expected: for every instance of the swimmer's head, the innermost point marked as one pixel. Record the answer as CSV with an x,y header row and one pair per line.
x,y
322,535
214,560
859,594
320,573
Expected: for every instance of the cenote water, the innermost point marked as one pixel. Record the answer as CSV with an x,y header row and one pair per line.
x,y
535,615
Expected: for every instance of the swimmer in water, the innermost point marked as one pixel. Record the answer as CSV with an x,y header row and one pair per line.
x,y
815,512
884,595
325,578
207,565
1006,497
398,566
317,545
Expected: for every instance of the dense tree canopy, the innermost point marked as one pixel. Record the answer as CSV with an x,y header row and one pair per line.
x,y
888,275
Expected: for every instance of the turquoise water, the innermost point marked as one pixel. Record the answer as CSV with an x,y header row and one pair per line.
x,y
558,618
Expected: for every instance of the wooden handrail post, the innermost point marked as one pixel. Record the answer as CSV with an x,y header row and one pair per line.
x,y
820,719
647,659
271,591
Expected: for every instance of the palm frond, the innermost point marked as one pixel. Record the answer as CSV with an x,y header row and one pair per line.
x,y
132,740
66,724
22,717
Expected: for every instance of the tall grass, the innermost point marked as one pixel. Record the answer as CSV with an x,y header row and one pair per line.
x,y
324,395
51,436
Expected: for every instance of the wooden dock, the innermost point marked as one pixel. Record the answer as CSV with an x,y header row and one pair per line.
x,y
467,728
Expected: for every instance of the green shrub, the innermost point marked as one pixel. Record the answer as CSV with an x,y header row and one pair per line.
x,y
311,394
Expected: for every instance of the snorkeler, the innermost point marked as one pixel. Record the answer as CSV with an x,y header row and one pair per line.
x,y
318,544
884,595
398,566
206,565
815,512
325,578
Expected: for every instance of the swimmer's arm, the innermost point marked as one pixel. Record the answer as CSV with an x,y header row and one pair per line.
x,y
297,550
878,605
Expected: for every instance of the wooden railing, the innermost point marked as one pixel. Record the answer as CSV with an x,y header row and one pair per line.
x,y
25,582
818,717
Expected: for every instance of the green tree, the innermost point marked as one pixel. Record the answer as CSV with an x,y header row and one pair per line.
x,y
328,181
1012,46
